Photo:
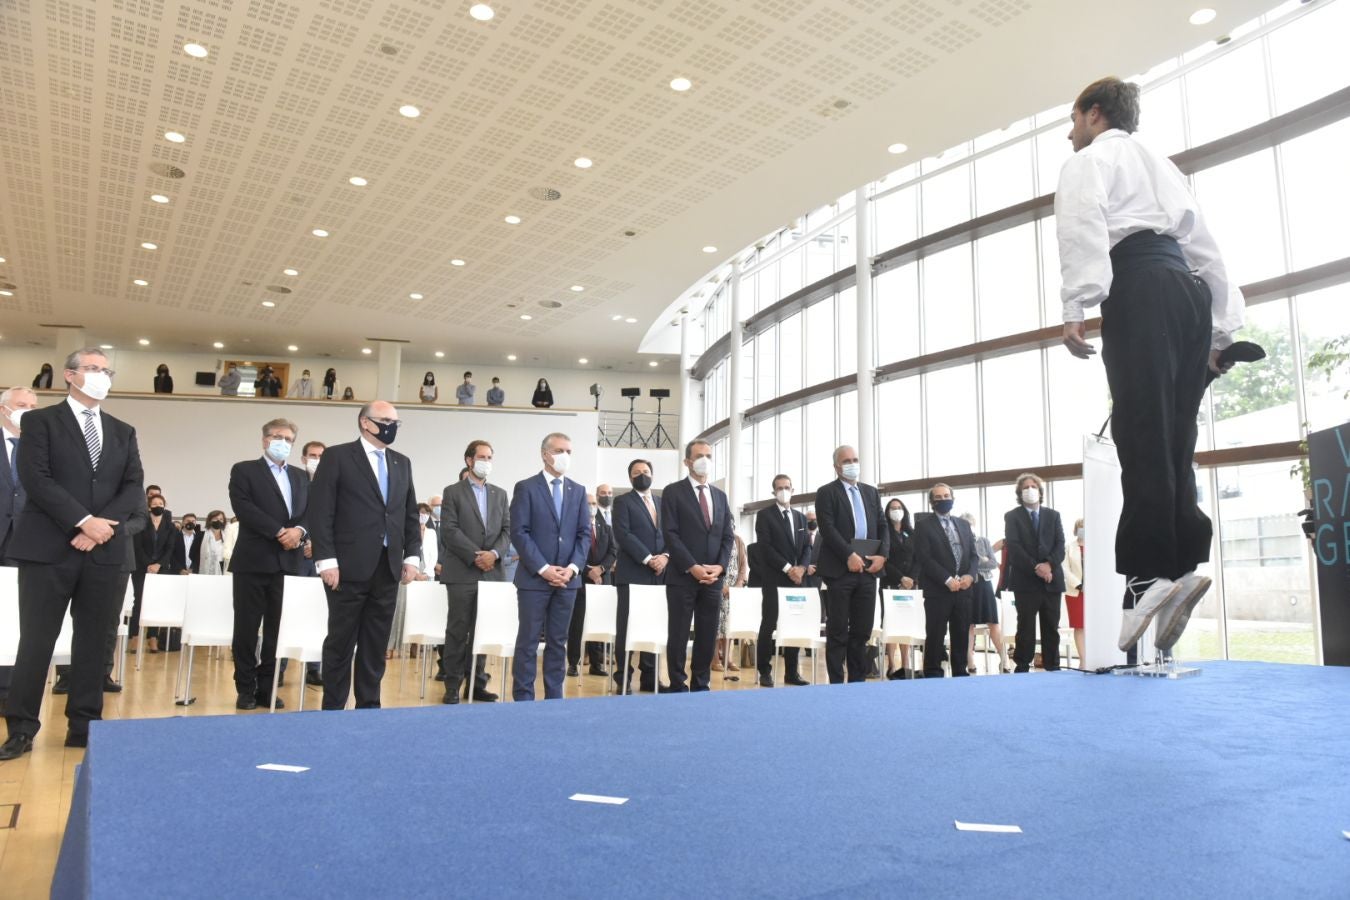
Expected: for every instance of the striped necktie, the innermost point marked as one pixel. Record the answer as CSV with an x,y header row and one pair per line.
x,y
91,438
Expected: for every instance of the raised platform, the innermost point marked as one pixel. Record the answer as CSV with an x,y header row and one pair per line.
x,y
1231,784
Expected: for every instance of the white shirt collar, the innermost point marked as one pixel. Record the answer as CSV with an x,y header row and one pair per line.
x,y
549,478
370,448
273,464
693,483
80,407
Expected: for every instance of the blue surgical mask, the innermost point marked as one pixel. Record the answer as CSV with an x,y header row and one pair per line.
x,y
279,450
942,507
436,512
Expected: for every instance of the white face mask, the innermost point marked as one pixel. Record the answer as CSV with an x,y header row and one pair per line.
x,y
851,471
784,496
311,466
482,468
1079,534
702,466
1031,496
561,461
96,385
423,518
15,415
896,515
279,450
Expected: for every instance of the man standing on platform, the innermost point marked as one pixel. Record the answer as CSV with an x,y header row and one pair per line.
x,y
363,521
785,554
700,535
270,499
13,404
1131,239
642,560
81,470
944,547
854,539
551,529
1033,538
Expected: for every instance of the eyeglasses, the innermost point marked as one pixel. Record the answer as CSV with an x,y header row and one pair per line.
x,y
109,372
281,437
383,421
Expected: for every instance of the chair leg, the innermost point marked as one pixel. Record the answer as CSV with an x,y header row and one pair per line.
x,y
140,647
473,673
276,676
178,676
187,682
302,691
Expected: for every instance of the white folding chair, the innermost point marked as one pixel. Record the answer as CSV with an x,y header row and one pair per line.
x,y
1007,616
745,610
9,615
799,623
1066,635
163,602
425,611
601,622
648,625
304,625
904,621
495,627
123,630
208,621
61,651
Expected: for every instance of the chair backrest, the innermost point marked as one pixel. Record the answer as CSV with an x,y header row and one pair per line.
x,y
877,626
798,616
1007,616
164,600
304,619
745,609
648,618
424,615
498,619
208,619
128,599
904,617
9,615
602,613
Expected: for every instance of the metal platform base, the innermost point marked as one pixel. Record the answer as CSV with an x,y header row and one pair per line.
x,y
1161,667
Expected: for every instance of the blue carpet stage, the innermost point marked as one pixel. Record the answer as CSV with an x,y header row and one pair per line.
x,y
1236,783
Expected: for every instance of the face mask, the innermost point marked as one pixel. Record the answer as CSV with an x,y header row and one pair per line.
x,y
423,518
896,515
279,450
811,525
482,468
1031,496
304,377
784,496
385,434
156,510
96,385
850,471
702,466
217,525
942,507
641,482
604,501
1078,534
435,512
561,461
189,528
595,511
15,415
311,466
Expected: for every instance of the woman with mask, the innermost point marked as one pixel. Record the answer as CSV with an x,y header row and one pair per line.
x,y
302,388
426,571
213,544
738,570
899,575
163,380
984,607
331,389
348,394
42,381
1074,561
543,395
428,393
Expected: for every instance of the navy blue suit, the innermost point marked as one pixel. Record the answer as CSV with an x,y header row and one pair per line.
x,y
692,541
944,609
638,537
542,538
11,503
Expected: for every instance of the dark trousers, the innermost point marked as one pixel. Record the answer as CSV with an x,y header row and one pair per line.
x,y
764,646
1031,606
851,601
137,589
1156,327
360,615
549,612
110,652
646,661
257,602
700,605
45,590
946,613
595,651
461,614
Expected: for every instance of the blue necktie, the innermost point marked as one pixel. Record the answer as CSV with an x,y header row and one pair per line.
x,y
14,460
383,471
859,517
1036,522
557,498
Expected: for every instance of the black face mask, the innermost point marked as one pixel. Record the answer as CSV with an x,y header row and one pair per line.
x,y
642,482
157,511
217,525
386,433
604,501
811,526
190,528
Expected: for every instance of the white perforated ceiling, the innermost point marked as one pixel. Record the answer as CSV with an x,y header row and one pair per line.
x,y
295,98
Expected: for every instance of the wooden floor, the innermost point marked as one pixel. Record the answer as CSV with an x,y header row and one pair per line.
x,y
41,782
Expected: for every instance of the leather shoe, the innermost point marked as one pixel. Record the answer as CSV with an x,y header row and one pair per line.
x,y
672,689
77,740
451,697
62,685
267,702
16,746
246,701
766,681
597,670
439,676
111,687
795,679
314,679
483,695
573,672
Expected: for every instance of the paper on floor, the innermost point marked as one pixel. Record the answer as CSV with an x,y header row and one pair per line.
x,y
278,767
599,798
979,826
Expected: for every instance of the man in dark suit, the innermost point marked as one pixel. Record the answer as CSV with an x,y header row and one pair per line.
x,y
944,547
187,547
699,533
784,554
81,469
363,521
13,404
854,540
551,528
271,500
642,559
1034,538
474,534
599,561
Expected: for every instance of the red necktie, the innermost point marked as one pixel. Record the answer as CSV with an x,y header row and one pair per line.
x,y
703,502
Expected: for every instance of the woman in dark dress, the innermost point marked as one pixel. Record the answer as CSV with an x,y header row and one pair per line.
x,y
899,574
163,380
543,396
984,608
43,380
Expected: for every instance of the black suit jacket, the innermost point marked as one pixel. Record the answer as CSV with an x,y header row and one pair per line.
x,y
933,553
63,487
604,550
155,545
261,509
12,495
779,546
834,515
1025,550
637,538
179,558
689,541
348,520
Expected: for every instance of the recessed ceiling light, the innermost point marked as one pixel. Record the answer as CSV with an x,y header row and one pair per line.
x,y
6,293
105,346
414,296
2,259
616,318
653,364
440,354
525,317
408,111
144,342
1203,16
583,360
631,321
290,271
512,220
511,357
358,181
139,282
218,345
292,347
319,232
195,50
582,162
365,350
680,84
578,288
710,249
482,12
269,303
456,262
174,137
149,245
897,149
159,198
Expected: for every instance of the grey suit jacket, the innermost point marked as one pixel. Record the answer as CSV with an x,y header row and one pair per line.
x,y
463,533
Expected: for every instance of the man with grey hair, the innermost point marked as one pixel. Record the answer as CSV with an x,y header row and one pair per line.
x,y
13,404
1033,539
81,469
551,529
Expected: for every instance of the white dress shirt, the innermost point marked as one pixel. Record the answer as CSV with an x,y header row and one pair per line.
x,y
1114,187
79,410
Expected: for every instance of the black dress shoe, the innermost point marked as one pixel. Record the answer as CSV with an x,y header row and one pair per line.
x,y
246,701
573,672
766,681
483,695
673,689
313,679
111,687
597,670
439,676
648,688
795,679
62,686
895,675
451,697
16,746
77,740
267,702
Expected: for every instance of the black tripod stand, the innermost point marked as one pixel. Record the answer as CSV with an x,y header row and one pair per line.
x,y
630,434
659,433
